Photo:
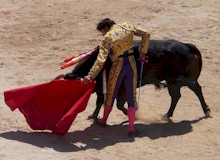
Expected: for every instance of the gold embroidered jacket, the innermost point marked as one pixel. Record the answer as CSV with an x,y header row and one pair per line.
x,y
116,41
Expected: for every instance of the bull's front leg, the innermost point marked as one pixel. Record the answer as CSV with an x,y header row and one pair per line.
x,y
174,91
99,103
120,104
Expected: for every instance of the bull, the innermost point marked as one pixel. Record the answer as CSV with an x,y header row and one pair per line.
x,y
172,62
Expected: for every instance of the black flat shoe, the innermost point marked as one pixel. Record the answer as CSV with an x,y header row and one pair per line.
x,y
103,125
132,134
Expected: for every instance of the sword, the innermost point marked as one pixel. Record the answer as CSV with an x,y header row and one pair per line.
x,y
104,83
139,91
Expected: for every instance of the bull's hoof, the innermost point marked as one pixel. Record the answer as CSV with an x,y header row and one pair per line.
x,y
166,117
90,117
207,114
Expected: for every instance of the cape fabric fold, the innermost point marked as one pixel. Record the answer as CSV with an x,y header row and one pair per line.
x,y
51,106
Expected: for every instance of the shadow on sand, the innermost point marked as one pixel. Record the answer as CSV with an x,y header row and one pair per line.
x,y
98,138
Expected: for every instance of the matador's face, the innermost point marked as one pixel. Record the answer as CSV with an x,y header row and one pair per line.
x,y
104,31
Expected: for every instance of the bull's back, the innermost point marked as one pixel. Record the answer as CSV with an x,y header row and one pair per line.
x,y
170,59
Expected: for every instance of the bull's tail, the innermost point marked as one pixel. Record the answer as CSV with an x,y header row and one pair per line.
x,y
197,53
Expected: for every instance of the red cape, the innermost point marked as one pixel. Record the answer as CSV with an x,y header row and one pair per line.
x,y
53,105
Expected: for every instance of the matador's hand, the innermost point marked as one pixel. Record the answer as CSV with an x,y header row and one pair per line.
x,y
142,57
86,79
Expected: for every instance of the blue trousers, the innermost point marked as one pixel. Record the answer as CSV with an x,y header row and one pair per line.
x,y
126,75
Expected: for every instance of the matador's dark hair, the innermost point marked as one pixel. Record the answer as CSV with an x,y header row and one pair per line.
x,y
107,22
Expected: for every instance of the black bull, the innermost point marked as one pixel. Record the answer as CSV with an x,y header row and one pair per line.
x,y
178,64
